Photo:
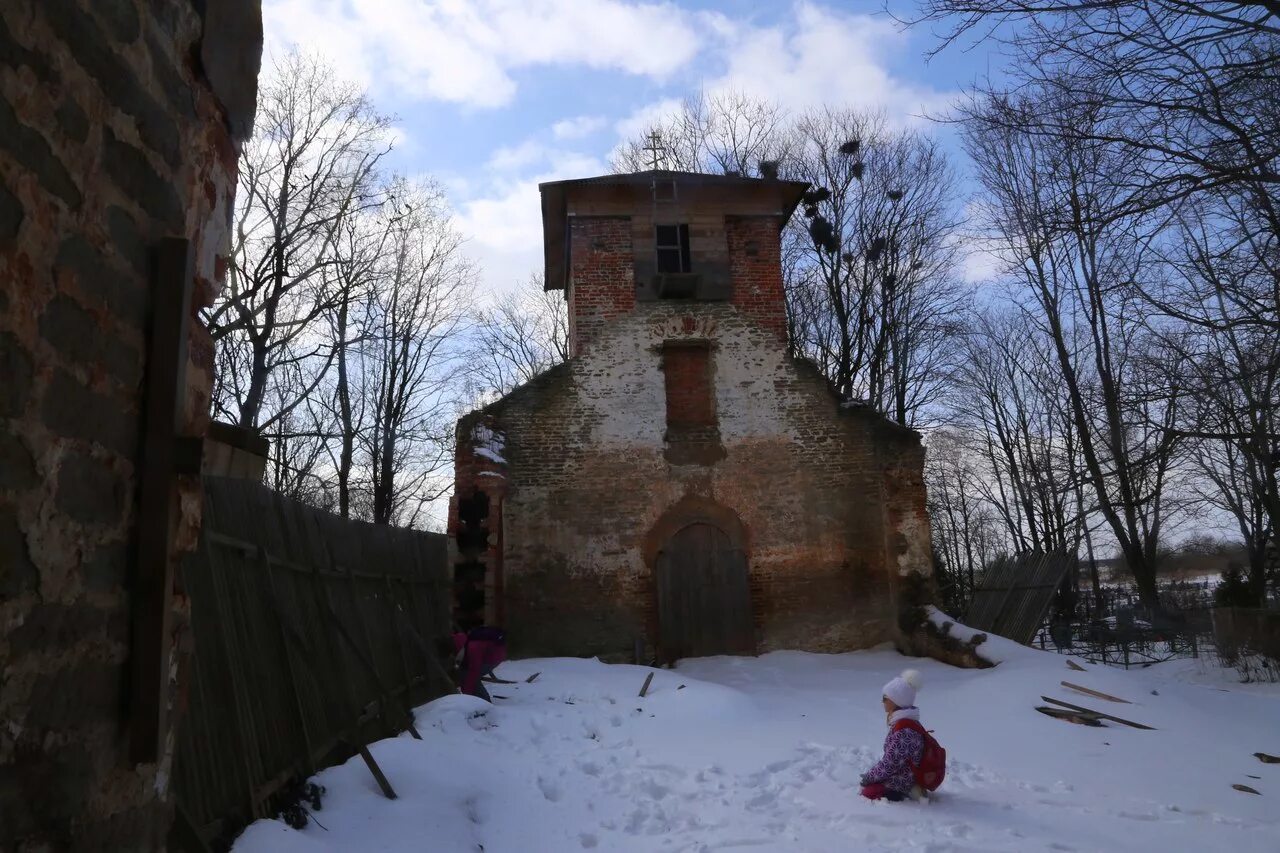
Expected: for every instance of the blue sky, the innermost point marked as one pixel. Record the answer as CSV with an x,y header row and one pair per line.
x,y
493,96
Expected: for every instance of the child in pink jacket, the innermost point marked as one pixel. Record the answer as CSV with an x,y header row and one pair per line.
x,y
892,778
479,651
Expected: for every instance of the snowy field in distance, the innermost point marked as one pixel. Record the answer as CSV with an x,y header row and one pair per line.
x,y
763,754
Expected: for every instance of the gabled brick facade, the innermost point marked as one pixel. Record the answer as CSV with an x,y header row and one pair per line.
x,y
676,414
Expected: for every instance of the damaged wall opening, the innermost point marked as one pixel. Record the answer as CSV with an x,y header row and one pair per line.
x,y
686,368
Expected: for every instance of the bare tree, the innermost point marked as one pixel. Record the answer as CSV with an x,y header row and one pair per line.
x,y
1190,90
1057,204
360,244
966,531
880,313
309,167
718,133
1229,356
1006,395
522,334
420,299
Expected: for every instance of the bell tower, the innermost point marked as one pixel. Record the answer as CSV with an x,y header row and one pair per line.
x,y
616,242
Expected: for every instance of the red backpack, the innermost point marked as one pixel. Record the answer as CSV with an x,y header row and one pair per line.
x,y
933,761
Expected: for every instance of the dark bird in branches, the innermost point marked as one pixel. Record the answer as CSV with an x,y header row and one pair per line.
x,y
876,249
850,147
769,169
894,195
857,169
824,236
817,195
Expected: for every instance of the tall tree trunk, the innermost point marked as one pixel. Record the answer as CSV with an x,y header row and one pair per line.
x,y
346,452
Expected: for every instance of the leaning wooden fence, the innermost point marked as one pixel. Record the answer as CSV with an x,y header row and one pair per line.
x,y
1015,594
312,636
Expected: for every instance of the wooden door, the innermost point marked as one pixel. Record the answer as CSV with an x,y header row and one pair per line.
x,y
704,599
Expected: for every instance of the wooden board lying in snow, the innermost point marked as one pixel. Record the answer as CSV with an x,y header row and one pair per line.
x,y
1095,693
1120,720
1071,716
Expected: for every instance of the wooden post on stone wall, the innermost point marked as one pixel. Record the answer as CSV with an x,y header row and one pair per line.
x,y
151,587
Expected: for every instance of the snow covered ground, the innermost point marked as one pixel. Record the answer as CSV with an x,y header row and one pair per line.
x,y
764,754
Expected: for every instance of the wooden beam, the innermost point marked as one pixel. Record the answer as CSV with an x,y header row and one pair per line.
x,y
1120,720
151,583
381,779
647,682
1095,693
1070,716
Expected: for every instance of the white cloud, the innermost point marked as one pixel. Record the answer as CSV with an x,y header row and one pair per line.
x,y
821,56
504,225
578,127
518,157
814,56
646,117
465,51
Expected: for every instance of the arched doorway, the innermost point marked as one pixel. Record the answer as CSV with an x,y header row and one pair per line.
x,y
704,597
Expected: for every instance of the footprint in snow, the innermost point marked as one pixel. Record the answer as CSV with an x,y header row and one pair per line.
x,y
655,791
549,789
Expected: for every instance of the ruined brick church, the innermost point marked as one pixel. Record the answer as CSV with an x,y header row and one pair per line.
x,y
682,485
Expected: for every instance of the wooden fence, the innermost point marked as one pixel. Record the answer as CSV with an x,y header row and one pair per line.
x,y
1249,640
1015,594
312,636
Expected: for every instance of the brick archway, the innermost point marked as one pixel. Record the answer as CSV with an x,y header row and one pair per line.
x,y
684,581
692,509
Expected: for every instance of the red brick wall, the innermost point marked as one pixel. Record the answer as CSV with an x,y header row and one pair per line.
x,y
755,263
687,378
827,497
602,276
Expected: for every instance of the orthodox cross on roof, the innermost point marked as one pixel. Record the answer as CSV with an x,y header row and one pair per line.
x,y
655,149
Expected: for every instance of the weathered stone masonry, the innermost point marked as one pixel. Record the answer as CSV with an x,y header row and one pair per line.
x,y
679,411
120,124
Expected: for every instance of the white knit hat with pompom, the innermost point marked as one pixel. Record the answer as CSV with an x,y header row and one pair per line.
x,y
901,691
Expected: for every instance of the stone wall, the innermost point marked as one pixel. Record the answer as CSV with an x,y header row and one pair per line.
x,y
827,497
119,125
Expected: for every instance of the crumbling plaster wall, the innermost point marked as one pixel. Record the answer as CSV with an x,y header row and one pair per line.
x,y
586,478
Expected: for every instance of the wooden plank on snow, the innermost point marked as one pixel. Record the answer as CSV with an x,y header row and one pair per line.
x,y
1096,693
1070,716
1114,719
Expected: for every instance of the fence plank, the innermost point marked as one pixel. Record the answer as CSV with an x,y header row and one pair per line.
x,y
278,608
275,694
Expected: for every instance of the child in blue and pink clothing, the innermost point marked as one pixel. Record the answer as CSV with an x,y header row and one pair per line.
x,y
892,778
